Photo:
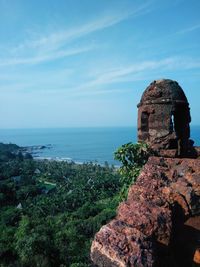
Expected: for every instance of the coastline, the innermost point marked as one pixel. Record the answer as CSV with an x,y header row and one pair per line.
x,y
36,150
69,160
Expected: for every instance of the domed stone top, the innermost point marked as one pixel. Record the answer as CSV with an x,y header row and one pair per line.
x,y
163,91
164,117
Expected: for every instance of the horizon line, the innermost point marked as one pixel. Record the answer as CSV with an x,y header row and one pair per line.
x,y
67,127
70,127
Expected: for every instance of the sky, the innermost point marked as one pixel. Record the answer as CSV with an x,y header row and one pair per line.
x,y
86,63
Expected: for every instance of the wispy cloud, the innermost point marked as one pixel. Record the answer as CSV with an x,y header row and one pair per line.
x,y
127,73
57,39
139,71
92,79
189,29
45,57
103,81
58,44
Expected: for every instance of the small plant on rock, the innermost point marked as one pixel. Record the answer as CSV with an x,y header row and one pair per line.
x,y
132,157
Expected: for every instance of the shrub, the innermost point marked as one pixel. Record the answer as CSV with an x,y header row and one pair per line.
x,y
132,157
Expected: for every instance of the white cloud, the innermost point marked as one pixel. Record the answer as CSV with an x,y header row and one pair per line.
x,y
56,44
139,71
45,57
56,40
189,29
93,82
133,72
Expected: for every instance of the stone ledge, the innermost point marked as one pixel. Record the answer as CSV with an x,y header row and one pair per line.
x,y
157,217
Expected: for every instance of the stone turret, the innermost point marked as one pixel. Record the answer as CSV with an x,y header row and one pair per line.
x,y
159,223
164,117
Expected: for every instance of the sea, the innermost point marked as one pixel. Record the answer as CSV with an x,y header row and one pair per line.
x,y
80,145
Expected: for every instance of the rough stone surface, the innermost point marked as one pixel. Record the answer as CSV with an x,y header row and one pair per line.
x,y
164,117
159,224
154,221
120,244
151,227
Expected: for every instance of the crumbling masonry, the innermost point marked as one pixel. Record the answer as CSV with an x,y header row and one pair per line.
x,y
159,224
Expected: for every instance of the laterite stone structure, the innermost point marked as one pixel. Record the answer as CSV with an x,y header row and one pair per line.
x,y
164,117
159,223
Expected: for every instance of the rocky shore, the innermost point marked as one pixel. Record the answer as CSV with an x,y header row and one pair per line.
x,y
34,150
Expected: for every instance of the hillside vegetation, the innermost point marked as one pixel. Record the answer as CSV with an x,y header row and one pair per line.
x,y
51,210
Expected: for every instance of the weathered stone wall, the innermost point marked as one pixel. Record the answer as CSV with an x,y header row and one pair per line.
x,y
159,122
159,224
164,117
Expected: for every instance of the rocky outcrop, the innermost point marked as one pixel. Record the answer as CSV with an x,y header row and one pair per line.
x,y
159,224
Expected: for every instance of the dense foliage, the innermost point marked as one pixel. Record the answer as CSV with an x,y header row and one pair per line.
x,y
132,157
51,210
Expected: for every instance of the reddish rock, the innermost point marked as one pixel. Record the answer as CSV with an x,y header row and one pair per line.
x,y
165,195
159,224
197,149
119,244
164,117
153,221
196,258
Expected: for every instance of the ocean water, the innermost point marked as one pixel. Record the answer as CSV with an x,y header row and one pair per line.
x,y
78,144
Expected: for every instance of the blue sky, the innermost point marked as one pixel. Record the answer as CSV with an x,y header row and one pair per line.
x,y
74,63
